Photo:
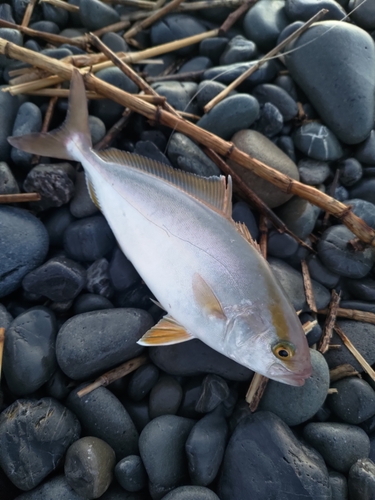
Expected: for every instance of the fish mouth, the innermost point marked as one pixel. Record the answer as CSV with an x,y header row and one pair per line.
x,y
297,379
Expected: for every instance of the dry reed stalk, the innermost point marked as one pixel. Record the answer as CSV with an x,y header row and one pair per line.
x,y
343,371
309,292
332,390
224,148
28,13
114,131
329,323
121,25
256,390
2,338
265,58
309,325
62,5
19,197
234,16
139,4
64,93
354,314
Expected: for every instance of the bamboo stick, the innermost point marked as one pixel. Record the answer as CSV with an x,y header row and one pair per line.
x,y
19,197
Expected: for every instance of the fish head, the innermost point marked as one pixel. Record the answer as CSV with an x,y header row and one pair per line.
x,y
271,342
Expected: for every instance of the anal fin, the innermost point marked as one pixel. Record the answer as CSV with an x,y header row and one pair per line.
x,y
243,230
92,193
166,332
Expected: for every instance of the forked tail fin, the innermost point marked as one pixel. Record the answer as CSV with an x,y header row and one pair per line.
x,y
75,128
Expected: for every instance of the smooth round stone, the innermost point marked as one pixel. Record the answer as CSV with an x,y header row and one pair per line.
x,y
29,339
155,136
103,416
340,445
231,115
264,21
285,143
88,468
48,429
364,189
56,222
158,69
93,342
56,15
96,126
98,278
6,13
361,480
205,448
55,488
350,171
313,172
354,402
115,42
138,411
292,283
142,381
59,385
122,273
288,30
270,122
299,216
227,74
11,35
8,184
213,48
131,474
191,493
28,120
363,289
186,155
362,13
239,49
88,239
334,83
192,391
358,304
365,152
178,94
150,150
281,245
59,53
320,273
95,15
88,302
318,142
362,335
174,27
242,213
339,485
195,358
9,106
214,390
295,405
261,148
278,97
264,459
5,317
165,397
199,63
207,90
303,10
59,279
339,257
364,209
286,82
81,205
46,27
163,438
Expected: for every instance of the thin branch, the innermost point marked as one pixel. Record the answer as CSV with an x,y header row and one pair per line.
x,y
62,5
28,13
354,314
19,197
157,100
309,292
309,325
114,131
256,390
329,323
234,16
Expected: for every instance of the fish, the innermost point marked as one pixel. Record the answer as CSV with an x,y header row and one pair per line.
x,y
177,229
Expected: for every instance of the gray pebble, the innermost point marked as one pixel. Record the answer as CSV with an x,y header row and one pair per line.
x,y
363,289
239,49
364,189
299,216
56,222
365,152
131,474
318,142
56,15
178,94
320,273
339,486
361,480
242,213
278,97
5,317
52,489
199,63
95,15
165,397
98,280
304,9
363,209
142,381
138,411
122,273
191,493
227,74
270,121
363,14
115,42
88,302
313,172
207,90
213,48
350,171
28,120
8,184
214,390
96,126
46,27
354,402
9,106
150,150
11,35
81,205
59,385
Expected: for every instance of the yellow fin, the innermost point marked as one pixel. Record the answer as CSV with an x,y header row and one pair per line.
x,y
206,297
166,332
213,191
92,193
243,230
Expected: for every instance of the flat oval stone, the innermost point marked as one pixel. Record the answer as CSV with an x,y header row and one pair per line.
x,y
299,216
270,122
339,485
88,302
165,397
11,35
362,14
29,350
264,459
313,172
340,445
16,227
361,480
88,468
8,184
278,97
103,416
142,381
208,89
354,402
334,84
364,189
191,493
131,474
213,48
304,9
93,342
363,289
55,488
318,142
350,171
239,49
48,430
178,94
261,148
228,73
9,105
56,222
241,212
81,204
122,273
365,152
320,273
95,15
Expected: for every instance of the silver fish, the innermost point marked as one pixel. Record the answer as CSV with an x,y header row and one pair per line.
x,y
176,229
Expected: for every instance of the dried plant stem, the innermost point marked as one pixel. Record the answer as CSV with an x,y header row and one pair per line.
x,y
309,325
121,25
64,93
19,197
139,4
114,131
309,292
332,390
62,5
358,356
354,314
28,13
234,16
342,371
329,323
115,374
263,238
269,54
2,337
256,390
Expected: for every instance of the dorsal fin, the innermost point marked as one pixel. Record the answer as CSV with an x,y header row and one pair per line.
x,y
213,191
243,230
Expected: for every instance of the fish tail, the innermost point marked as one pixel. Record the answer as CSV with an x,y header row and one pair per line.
x,y
62,142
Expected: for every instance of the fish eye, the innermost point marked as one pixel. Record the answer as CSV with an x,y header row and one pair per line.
x,y
283,350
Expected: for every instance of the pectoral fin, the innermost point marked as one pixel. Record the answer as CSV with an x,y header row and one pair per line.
x,y
166,332
206,298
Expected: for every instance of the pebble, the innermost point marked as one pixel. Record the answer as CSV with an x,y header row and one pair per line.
x,y
96,126
191,493
142,381
313,172
98,278
354,402
103,416
339,257
115,42
264,459
304,9
174,27
29,339
334,84
192,391
88,302
270,121
165,397
16,227
199,63
205,448
213,48
362,14
228,73
363,209
299,216
239,49
242,213
56,15
179,94
364,189
339,486
48,429
361,480
8,184
138,411
318,142
12,35
91,343
52,489
95,15
81,204
150,150
5,317
231,115
261,148
340,445
131,474
88,239
122,273
278,97
207,90
281,245
28,120
89,465
350,171
9,106
365,152
59,279
320,273
363,289
214,390
194,358
46,27
56,222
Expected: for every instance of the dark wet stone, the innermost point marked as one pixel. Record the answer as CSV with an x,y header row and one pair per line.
x,y
8,184
192,391
178,94
341,258
314,335
165,437
230,116
239,49
292,283
261,148
115,42
270,121
95,15
207,90
205,448
6,13
96,126
364,209
340,445
242,213
150,150
295,405
363,289
213,48
103,416
318,142
29,350
138,411
11,35
350,171
59,385
9,106
288,30
98,280
286,82
364,189
21,429
299,216
340,193
28,120
264,22
5,317
320,273
131,474
199,63
227,74
52,489
155,136
58,53
191,493
56,15
214,390
89,465
362,13
56,222
157,69
281,245
88,239
361,480
339,486
264,459
186,155
285,143
88,302
365,152
122,273
194,358
165,397
93,342
334,84
59,279
313,172
304,9
354,402
81,205
278,97
46,27
174,27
